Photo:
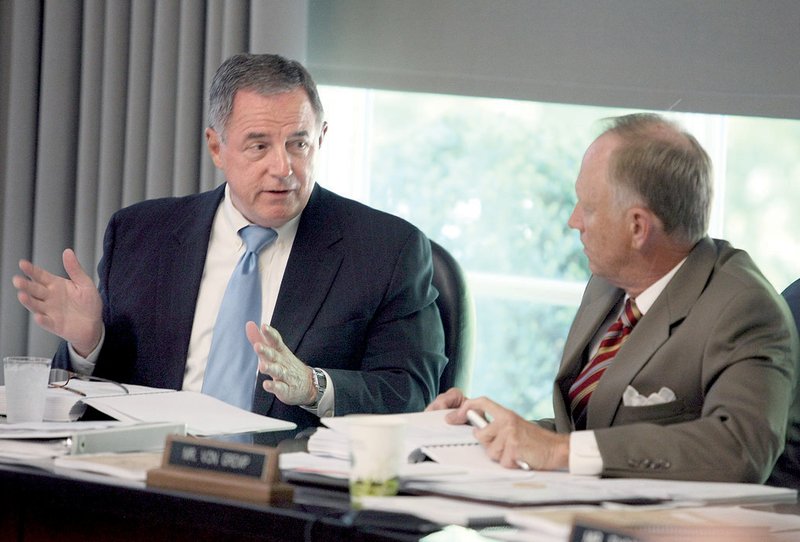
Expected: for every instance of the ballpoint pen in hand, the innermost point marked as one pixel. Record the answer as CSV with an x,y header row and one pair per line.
x,y
476,420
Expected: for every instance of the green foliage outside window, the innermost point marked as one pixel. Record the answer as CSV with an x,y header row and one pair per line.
x,y
495,186
493,182
762,194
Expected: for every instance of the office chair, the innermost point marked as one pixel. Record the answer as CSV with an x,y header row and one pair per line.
x,y
458,318
792,296
787,470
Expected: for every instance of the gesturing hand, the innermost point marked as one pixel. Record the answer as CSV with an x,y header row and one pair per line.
x,y
70,308
292,381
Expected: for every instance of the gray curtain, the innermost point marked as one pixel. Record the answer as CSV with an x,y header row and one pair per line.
x,y
102,104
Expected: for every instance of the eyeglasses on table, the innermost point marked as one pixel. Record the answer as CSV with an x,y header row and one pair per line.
x,y
60,378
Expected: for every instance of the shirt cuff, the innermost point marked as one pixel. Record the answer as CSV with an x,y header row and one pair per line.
x,y
584,455
86,365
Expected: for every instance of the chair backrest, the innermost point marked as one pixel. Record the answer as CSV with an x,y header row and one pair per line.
x,y
458,318
787,470
792,296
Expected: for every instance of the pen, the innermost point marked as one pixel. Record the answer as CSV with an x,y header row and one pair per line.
x,y
476,420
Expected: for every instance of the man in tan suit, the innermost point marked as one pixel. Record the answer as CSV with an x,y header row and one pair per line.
x,y
682,359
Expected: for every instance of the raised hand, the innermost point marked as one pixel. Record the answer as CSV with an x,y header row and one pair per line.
x,y
70,308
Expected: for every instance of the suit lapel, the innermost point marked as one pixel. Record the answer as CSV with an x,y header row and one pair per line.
x,y
180,275
598,300
313,264
655,328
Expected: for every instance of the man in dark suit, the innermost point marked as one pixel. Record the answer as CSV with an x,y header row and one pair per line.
x,y
682,359
353,325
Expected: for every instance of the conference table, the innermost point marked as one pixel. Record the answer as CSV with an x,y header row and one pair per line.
x,y
41,505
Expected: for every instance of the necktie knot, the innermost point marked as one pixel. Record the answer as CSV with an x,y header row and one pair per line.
x,y
256,238
630,314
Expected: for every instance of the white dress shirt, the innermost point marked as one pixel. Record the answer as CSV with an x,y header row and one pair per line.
x,y
225,248
584,454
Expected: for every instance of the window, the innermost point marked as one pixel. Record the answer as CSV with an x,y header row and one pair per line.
x,y
493,181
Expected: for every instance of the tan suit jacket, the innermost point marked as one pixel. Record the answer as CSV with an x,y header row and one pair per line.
x,y
723,340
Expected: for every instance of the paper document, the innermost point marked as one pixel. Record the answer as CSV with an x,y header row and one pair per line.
x,y
332,467
29,442
422,429
129,466
54,430
428,436
65,405
548,488
684,523
203,415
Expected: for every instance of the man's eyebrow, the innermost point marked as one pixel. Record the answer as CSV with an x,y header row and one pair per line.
x,y
262,135
255,135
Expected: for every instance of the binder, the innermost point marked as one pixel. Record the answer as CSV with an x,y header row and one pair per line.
x,y
130,438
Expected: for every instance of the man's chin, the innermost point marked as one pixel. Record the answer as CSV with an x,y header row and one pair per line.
x,y
275,216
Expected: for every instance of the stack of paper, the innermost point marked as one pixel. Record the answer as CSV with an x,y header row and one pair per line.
x,y
132,466
22,442
657,523
563,488
64,405
423,429
203,415
468,492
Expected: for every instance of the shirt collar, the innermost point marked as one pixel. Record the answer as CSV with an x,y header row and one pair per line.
x,y
236,220
646,299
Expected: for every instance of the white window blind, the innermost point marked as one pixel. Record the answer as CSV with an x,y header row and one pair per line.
x,y
713,56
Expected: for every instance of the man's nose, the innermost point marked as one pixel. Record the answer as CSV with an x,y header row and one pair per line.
x,y
573,221
280,164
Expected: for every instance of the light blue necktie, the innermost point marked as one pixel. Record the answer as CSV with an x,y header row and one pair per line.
x,y
232,364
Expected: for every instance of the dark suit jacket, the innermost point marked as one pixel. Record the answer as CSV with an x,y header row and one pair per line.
x,y
787,470
722,339
356,299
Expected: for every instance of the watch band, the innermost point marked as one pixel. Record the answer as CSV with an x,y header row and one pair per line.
x,y
321,383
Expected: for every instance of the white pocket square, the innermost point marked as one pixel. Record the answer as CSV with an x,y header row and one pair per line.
x,y
631,397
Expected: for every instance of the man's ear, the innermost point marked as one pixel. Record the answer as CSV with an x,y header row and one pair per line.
x,y
641,222
213,141
322,131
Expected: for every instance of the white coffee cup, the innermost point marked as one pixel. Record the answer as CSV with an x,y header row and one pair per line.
x,y
26,381
377,451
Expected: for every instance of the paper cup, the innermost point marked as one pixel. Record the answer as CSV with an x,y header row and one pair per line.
x,y
377,451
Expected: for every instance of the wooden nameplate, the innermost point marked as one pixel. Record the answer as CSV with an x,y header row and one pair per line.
x,y
245,472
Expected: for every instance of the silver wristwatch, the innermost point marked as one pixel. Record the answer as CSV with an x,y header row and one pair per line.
x,y
321,383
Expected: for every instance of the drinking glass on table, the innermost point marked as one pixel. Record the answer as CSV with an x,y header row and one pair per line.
x,y
26,387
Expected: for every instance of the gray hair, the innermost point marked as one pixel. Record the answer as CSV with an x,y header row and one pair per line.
x,y
665,168
265,74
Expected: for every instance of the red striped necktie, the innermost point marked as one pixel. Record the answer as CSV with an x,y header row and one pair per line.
x,y
581,390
